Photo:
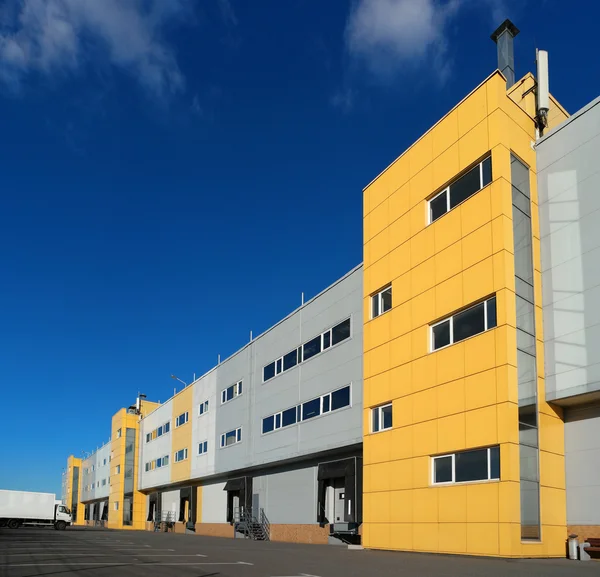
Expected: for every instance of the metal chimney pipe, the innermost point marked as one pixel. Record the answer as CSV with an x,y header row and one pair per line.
x,y
504,39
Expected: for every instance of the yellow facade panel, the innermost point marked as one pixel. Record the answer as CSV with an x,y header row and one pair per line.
x,y
401,536
420,187
420,154
425,504
380,507
482,502
509,499
552,470
399,234
481,427
509,462
449,296
451,398
424,405
400,350
502,233
400,203
377,449
423,308
422,245
450,363
379,388
477,245
380,476
401,319
380,535
377,275
400,286
452,504
425,536
482,538
420,469
472,111
506,307
422,277
480,353
380,330
448,262
401,473
473,145
445,133
476,212
444,168
553,510
379,218
402,449
480,389
508,422
379,245
451,432
479,280
425,438
423,373
498,128
452,538
552,434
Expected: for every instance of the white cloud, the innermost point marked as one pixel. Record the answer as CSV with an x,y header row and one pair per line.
x,y
59,36
344,100
388,35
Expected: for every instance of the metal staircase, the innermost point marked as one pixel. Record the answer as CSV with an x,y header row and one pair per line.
x,y
252,526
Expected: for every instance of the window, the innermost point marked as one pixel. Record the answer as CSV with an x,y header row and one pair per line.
x,y
203,408
203,448
181,419
162,430
167,427
104,462
311,348
231,437
231,392
104,482
338,399
381,418
467,466
467,323
118,433
93,468
118,469
381,302
116,505
461,189
181,455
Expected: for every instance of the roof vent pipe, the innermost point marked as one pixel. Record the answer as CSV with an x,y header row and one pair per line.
x,y
504,39
543,89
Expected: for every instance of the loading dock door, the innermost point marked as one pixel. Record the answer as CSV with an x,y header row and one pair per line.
x,y
339,491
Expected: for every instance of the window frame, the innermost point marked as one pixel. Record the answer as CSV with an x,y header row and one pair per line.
x,y
379,409
446,189
184,458
453,455
300,411
186,415
204,446
223,438
300,350
379,296
238,390
451,324
204,407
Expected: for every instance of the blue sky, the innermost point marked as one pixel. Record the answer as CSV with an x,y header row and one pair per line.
x,y
174,173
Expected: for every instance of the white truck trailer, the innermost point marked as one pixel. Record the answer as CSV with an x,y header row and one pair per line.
x,y
18,508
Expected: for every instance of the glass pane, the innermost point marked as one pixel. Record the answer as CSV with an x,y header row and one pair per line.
x,y
442,470
495,463
375,418
519,175
167,427
229,438
441,335
239,435
269,372
239,388
205,446
311,409
165,460
340,398
521,201
268,424
471,466
525,342
523,250
386,417
278,421
375,306
386,300
326,403
469,323
438,207
340,332
525,318
528,457
326,340
312,348
299,354
526,375
290,360
278,366
464,187
288,417
229,393
530,510
491,312
487,170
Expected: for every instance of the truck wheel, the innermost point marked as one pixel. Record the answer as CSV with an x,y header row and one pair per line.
x,y
13,524
60,526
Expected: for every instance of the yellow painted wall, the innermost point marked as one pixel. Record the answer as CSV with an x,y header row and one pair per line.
x,y
181,437
463,396
72,462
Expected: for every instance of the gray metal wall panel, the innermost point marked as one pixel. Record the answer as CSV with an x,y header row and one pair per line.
x,y
582,461
170,504
568,184
155,449
214,503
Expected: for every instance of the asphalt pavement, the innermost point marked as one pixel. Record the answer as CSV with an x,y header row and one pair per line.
x,y
105,553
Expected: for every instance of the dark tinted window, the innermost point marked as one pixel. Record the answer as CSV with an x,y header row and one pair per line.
x,y
311,409
386,416
464,187
495,463
290,360
229,438
340,332
375,414
443,470
167,427
278,421
487,171
288,417
269,372
469,323
312,348
471,466
386,300
491,312
438,206
375,306
326,403
340,398
230,393
441,335
268,424
327,340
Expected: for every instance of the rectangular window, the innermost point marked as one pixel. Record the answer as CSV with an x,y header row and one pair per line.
x,y
381,302
311,409
268,424
231,437
104,462
118,433
202,448
182,419
340,398
181,455
464,324
381,418
231,392
159,432
116,505
461,189
167,427
159,463
288,417
203,408
118,469
311,348
467,466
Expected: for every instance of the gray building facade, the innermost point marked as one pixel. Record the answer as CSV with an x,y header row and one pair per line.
x,y
568,163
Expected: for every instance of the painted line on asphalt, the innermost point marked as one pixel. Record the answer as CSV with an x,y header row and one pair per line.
x,y
146,564
101,554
